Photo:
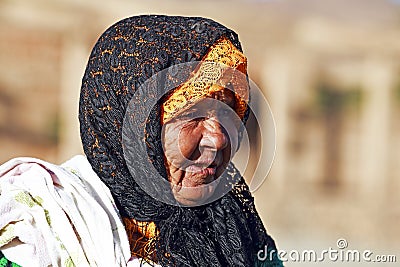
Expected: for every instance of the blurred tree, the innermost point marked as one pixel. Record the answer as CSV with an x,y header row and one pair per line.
x,y
333,104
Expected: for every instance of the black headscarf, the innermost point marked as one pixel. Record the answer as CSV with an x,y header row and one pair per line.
x,y
226,232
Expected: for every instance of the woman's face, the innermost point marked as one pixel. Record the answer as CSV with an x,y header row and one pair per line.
x,y
198,144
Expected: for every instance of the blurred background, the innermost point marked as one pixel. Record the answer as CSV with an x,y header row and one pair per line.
x,y
329,69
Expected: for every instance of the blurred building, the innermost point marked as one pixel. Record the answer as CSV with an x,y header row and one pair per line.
x,y
329,69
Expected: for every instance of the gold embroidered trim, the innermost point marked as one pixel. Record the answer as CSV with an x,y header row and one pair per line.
x,y
141,236
218,70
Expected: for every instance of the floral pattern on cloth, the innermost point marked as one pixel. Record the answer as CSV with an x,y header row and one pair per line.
x,y
59,216
4,262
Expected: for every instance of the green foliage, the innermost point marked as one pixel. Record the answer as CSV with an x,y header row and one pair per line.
x,y
54,126
330,99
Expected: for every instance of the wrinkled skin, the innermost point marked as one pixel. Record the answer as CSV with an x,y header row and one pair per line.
x,y
198,145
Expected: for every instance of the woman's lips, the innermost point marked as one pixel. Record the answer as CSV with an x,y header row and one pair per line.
x,y
207,171
198,180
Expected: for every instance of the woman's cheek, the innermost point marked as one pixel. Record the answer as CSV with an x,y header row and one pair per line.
x,y
180,142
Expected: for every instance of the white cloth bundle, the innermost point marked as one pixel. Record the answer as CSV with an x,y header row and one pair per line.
x,y
59,215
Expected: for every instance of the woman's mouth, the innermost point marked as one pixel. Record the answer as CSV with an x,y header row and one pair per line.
x,y
202,170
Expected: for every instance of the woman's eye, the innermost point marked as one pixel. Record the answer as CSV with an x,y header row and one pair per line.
x,y
190,124
199,119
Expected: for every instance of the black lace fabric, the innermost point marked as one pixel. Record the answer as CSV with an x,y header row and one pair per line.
x,y
226,232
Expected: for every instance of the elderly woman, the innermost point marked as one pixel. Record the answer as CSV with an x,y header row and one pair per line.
x,y
162,108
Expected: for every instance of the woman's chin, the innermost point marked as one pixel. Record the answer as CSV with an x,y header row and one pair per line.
x,y
194,196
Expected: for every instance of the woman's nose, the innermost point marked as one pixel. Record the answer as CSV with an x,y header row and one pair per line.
x,y
213,136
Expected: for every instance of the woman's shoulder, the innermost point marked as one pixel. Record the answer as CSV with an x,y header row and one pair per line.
x,y
58,213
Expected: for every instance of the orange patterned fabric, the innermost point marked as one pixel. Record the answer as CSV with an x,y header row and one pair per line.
x,y
141,236
218,70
